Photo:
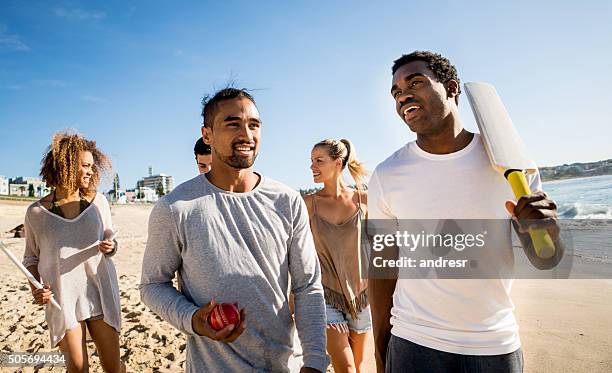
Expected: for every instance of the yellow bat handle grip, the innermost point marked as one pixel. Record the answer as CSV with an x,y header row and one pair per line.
x,y
542,242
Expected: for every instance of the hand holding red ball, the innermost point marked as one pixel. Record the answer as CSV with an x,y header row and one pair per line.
x,y
222,315
220,322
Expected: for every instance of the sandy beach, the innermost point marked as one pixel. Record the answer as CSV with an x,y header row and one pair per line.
x,y
565,325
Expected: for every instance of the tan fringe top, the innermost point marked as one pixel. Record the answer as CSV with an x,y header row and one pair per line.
x,y
339,250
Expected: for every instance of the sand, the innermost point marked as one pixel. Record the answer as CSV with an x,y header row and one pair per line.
x,y
565,325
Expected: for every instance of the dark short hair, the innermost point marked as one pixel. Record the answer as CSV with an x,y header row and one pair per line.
x,y
442,68
210,102
201,148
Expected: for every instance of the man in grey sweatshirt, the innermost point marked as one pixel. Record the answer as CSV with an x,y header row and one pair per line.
x,y
235,236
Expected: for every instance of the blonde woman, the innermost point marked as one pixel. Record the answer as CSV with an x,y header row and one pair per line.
x,y
62,231
336,213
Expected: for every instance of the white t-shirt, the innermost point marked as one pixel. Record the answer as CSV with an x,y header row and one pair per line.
x,y
469,317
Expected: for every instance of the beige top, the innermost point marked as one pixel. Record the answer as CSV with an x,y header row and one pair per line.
x,y
339,247
83,280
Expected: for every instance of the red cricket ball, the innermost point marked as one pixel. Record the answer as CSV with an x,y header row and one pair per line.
x,y
222,315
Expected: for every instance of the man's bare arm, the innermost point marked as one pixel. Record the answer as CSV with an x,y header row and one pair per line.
x,y
380,293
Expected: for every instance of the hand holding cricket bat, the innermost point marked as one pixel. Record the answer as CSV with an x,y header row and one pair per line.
x,y
506,151
27,273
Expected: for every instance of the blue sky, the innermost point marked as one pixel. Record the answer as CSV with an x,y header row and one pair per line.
x,y
131,74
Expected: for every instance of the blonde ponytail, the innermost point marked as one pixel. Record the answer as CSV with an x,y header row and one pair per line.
x,y
356,168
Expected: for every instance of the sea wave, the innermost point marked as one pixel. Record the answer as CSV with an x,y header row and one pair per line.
x,y
594,258
579,210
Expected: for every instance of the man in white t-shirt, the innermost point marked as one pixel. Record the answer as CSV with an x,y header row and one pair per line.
x,y
445,325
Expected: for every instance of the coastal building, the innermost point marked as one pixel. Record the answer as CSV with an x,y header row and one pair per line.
x,y
18,190
28,187
4,185
118,197
154,182
146,194
130,195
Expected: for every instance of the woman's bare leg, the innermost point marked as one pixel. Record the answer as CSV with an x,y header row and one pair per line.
x,y
339,349
106,339
73,346
358,343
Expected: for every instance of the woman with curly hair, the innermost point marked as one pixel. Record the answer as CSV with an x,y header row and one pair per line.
x,y
69,246
336,215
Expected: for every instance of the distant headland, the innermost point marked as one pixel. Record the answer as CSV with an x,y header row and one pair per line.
x,y
569,171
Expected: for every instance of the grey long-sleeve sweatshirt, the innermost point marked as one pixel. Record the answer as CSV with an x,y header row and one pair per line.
x,y
237,247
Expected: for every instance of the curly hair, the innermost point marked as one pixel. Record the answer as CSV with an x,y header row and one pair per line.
x,y
60,163
443,69
209,103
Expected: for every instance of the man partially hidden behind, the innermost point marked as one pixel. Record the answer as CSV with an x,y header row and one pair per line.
x,y
445,325
235,236
203,156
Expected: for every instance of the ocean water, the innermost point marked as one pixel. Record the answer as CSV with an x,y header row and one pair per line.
x,y
585,208
584,198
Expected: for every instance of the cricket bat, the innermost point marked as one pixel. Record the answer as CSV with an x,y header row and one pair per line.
x,y
27,273
507,152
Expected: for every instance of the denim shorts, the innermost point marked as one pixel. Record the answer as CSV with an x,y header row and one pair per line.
x,y
362,324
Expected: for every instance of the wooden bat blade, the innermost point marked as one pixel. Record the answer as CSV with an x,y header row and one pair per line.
x,y
502,142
